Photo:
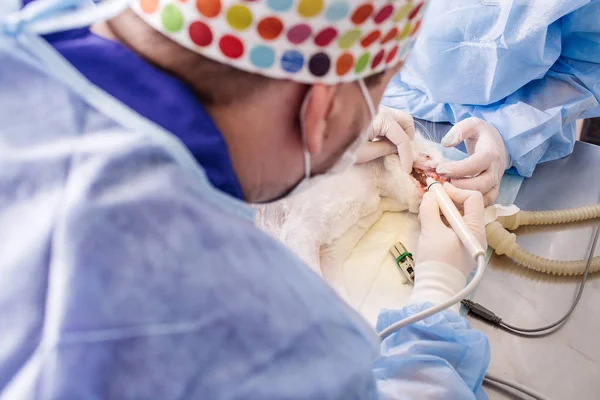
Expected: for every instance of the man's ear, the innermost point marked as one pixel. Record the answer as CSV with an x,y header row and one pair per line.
x,y
319,107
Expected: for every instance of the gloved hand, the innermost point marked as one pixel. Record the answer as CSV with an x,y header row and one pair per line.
x,y
443,263
487,161
396,128
439,242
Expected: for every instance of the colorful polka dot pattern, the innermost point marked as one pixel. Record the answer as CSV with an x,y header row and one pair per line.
x,y
309,41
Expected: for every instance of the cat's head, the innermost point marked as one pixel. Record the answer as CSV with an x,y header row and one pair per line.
x,y
409,188
426,157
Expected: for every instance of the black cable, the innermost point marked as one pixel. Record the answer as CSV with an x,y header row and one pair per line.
x,y
489,316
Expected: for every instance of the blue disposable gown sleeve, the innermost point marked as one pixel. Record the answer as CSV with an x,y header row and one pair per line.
x,y
439,357
531,89
157,291
127,277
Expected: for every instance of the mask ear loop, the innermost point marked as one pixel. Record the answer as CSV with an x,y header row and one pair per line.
x,y
367,97
304,146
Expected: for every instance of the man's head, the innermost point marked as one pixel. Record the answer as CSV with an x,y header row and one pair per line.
x,y
279,77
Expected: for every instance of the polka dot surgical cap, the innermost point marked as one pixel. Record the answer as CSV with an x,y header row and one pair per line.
x,y
328,41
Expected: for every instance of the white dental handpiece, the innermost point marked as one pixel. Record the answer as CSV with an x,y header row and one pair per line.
x,y
465,235
454,218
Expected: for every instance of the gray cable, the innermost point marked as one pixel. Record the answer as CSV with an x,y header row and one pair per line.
x,y
516,386
489,316
466,291
489,378
556,325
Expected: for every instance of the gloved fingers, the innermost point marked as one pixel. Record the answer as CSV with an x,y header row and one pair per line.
x,y
470,166
393,131
373,150
482,183
465,129
376,126
471,200
396,134
429,213
491,196
402,118
474,210
406,156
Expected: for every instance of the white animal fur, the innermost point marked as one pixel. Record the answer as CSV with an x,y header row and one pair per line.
x,y
313,222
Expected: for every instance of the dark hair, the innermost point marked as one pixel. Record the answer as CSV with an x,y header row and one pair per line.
x,y
214,83
375,79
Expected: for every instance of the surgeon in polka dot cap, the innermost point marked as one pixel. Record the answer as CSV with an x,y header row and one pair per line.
x,y
134,135
327,41
330,59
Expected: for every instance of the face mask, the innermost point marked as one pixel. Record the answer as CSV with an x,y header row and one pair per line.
x,y
346,160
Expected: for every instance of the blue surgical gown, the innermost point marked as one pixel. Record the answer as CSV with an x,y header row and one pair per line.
x,y
129,274
530,68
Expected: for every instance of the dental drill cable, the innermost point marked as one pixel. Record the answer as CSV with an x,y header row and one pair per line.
x,y
489,316
494,380
465,235
554,326
472,245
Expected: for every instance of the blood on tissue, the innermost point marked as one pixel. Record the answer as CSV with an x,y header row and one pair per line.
x,y
420,178
423,167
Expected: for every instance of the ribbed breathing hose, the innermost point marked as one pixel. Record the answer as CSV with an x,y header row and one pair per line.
x,y
555,217
504,242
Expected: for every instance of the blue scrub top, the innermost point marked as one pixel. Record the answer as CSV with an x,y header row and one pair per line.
x,y
155,95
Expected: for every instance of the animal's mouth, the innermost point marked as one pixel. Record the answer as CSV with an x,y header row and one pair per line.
x,y
420,178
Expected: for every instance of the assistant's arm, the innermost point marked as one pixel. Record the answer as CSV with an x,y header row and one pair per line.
x,y
441,356
536,121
